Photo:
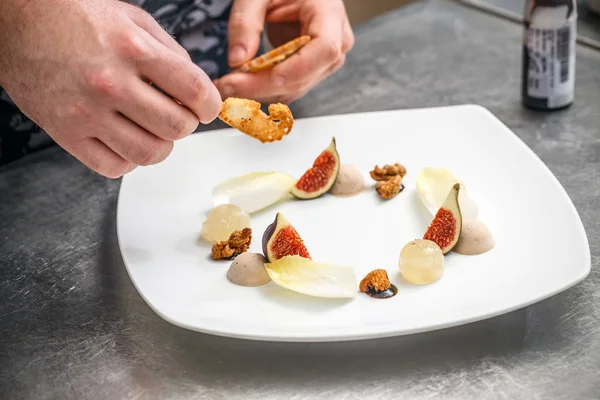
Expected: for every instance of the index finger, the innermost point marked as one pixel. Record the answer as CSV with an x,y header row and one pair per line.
x,y
183,80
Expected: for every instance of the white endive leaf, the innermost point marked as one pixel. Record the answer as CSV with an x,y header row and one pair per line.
x,y
254,191
305,276
433,186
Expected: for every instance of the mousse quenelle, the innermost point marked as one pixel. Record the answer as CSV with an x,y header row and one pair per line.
x,y
248,269
474,239
349,181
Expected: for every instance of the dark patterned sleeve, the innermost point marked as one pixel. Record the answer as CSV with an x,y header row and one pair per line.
x,y
200,26
18,134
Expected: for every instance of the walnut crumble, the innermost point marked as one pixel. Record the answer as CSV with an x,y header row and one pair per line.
x,y
238,243
388,171
376,280
389,179
390,188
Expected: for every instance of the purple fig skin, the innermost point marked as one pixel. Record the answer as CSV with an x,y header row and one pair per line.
x,y
266,237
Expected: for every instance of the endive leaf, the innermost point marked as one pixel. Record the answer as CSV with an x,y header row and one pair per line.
x,y
433,186
254,191
308,277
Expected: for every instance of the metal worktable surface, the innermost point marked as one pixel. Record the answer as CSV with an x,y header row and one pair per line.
x,y
72,326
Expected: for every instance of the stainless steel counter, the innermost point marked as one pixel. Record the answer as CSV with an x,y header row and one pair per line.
x,y
72,326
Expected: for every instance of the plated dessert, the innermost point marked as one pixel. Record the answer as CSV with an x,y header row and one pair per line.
x,y
286,259
162,209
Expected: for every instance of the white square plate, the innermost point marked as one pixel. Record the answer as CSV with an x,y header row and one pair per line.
x,y
541,246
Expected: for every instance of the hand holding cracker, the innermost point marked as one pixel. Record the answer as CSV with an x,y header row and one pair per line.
x,y
311,39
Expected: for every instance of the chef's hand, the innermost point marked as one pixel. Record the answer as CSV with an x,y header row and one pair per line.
x,y
325,21
80,70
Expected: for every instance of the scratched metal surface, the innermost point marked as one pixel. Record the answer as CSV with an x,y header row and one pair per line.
x,y
72,325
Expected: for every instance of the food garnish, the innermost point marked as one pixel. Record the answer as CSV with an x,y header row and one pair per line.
x,y
475,238
349,181
317,180
377,284
446,226
389,179
305,276
247,117
388,171
390,188
254,191
421,262
287,261
275,56
221,221
248,269
433,185
238,243
281,239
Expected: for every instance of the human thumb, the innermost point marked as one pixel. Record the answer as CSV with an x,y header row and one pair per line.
x,y
246,24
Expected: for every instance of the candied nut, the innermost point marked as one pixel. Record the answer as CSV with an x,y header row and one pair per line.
x,y
241,238
238,243
221,250
389,188
388,171
376,280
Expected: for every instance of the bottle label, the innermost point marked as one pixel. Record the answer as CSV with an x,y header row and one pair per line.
x,y
551,69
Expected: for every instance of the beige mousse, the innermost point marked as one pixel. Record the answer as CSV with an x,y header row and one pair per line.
x,y
475,238
248,269
349,181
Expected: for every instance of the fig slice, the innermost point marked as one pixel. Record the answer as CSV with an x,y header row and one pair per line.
x,y
281,239
446,226
317,180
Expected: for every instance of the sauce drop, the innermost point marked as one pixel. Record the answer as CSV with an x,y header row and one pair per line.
x,y
383,294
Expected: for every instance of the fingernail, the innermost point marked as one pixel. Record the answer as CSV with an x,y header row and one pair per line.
x,y
237,54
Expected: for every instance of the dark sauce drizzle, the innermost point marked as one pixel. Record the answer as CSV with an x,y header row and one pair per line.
x,y
383,294
233,257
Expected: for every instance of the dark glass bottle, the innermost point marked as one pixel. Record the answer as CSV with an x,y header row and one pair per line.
x,y
548,67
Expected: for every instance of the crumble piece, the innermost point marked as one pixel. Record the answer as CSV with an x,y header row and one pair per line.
x,y
389,179
389,188
376,280
388,171
238,243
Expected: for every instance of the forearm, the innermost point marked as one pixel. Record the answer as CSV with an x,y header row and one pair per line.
x,y
8,6
11,12
11,15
